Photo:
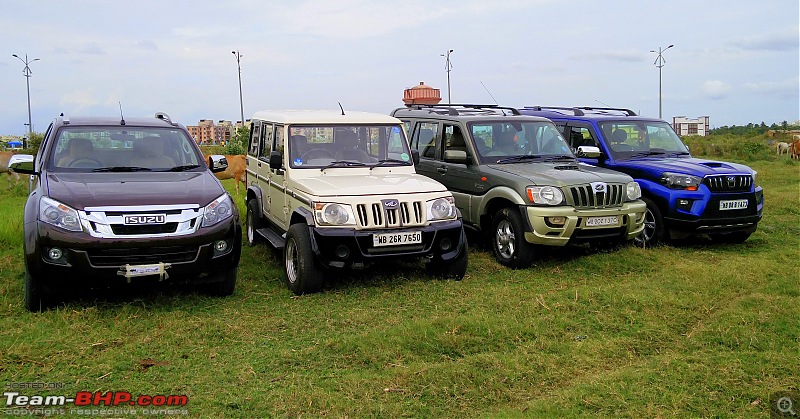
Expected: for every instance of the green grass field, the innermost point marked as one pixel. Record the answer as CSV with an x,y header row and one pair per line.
x,y
689,330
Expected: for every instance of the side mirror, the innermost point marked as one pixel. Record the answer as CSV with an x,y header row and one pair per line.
x,y
588,151
21,163
455,156
415,157
217,163
275,160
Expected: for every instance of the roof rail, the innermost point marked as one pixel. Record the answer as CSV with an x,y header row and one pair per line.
x,y
164,117
575,111
592,108
452,108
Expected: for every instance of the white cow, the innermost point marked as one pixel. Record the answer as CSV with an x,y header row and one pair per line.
x,y
783,148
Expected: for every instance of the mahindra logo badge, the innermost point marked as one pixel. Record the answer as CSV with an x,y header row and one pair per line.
x,y
390,203
599,187
731,181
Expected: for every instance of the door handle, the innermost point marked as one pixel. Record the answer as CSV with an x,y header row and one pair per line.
x,y
441,170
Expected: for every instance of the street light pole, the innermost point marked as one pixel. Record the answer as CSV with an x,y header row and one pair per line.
x,y
239,66
659,62
448,66
27,72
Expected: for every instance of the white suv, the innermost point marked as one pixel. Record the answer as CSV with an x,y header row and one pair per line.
x,y
336,189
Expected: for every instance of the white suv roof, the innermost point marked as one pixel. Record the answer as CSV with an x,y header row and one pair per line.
x,y
324,117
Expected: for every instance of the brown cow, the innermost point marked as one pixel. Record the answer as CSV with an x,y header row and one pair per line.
x,y
794,150
5,156
235,170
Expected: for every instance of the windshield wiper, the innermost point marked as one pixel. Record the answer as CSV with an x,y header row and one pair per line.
x,y
562,157
342,163
681,153
121,169
385,162
515,159
647,153
184,167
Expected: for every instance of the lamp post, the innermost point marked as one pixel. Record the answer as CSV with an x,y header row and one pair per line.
x,y
659,62
448,66
239,67
27,72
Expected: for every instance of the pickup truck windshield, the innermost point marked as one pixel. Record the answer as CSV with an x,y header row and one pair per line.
x,y
114,149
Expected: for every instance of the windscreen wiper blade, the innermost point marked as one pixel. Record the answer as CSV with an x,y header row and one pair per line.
x,y
562,157
647,153
386,162
516,159
122,169
342,163
183,168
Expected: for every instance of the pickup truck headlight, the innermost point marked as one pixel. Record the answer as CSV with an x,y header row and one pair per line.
x,y
441,208
545,195
634,191
216,211
334,214
680,181
55,213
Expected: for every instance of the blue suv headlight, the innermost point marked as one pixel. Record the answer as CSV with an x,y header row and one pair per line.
x,y
218,210
680,181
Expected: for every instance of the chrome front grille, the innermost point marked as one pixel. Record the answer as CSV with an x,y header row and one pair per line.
x,y
108,222
407,213
584,196
728,183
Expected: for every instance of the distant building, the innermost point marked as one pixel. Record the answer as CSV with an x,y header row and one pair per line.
x,y
206,133
421,95
686,126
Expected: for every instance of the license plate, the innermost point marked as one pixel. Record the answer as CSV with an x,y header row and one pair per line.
x,y
611,220
733,204
393,239
144,219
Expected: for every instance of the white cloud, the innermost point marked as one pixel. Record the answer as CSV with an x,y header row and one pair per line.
x,y
715,89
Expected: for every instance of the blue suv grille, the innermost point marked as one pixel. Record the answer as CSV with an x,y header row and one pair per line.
x,y
585,197
729,183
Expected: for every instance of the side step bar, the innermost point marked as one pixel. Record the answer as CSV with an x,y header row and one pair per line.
x,y
277,241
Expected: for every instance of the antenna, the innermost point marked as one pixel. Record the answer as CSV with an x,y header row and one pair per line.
x,y
122,118
490,93
602,103
340,107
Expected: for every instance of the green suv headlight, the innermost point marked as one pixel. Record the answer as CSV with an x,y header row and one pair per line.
x,y
334,214
545,195
55,213
680,181
218,210
441,208
633,190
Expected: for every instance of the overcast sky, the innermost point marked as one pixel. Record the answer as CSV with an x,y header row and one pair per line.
x,y
736,61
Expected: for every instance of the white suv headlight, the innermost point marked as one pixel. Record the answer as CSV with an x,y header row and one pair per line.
x,y
545,195
218,210
55,213
334,214
441,208
634,191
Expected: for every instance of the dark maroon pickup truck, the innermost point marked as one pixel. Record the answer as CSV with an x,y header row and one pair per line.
x,y
121,201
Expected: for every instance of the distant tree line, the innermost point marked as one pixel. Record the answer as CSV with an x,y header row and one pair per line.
x,y
752,129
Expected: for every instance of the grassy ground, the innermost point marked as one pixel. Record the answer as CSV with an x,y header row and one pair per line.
x,y
689,330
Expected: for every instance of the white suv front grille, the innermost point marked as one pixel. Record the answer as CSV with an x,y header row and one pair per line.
x,y
376,215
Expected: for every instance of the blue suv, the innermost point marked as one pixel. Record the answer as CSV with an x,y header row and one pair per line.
x,y
684,195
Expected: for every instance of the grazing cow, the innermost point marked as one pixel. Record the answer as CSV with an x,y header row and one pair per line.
x,y
783,148
794,150
235,170
5,156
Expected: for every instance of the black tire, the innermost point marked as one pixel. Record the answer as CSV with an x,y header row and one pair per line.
x,y
36,300
253,222
508,240
653,232
303,273
452,269
731,238
225,286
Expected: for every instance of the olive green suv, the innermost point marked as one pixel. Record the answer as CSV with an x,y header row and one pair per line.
x,y
515,179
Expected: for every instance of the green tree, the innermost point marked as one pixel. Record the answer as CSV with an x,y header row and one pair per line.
x,y
35,141
237,143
